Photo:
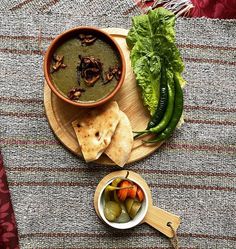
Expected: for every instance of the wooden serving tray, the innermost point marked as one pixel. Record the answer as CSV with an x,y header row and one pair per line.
x,y
60,114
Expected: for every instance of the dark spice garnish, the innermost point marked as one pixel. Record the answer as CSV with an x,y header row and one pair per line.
x,y
92,81
75,93
108,76
58,58
87,39
112,72
58,63
81,36
89,72
63,65
89,69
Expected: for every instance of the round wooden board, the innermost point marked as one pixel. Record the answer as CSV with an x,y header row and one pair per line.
x,y
60,114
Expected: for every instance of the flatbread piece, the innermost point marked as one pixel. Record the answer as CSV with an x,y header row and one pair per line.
x,y
95,128
122,142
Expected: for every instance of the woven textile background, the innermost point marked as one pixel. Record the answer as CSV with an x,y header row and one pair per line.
x,y
192,175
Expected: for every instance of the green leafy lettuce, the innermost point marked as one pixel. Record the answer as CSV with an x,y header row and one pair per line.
x,y
151,40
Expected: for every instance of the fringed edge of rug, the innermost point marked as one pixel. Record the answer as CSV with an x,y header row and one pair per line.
x,y
178,7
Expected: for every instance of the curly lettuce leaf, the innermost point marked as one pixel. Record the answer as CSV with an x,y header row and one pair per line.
x,y
169,53
159,21
148,72
151,40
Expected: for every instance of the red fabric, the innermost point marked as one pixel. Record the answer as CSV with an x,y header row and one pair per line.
x,y
8,229
224,9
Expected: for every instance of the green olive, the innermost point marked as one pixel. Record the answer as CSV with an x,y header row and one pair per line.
x,y
134,209
112,210
128,204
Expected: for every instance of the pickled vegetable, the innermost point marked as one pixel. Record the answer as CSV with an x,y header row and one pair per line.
x,y
110,188
122,194
140,194
134,209
123,200
128,204
116,182
124,216
132,192
112,210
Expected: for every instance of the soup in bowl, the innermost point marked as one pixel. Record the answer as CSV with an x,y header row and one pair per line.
x,y
84,66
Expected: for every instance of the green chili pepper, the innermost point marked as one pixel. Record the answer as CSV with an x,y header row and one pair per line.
x,y
115,184
161,108
178,109
116,181
162,104
170,107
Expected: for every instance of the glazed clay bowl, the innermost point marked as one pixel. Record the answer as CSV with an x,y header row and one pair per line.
x,y
72,33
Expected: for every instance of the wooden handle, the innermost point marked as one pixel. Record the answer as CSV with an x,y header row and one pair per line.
x,y
159,218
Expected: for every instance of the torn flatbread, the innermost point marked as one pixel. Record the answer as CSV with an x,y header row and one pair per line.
x,y
122,142
94,129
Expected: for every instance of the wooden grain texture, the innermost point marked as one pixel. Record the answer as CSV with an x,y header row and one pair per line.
x,y
60,114
155,217
159,219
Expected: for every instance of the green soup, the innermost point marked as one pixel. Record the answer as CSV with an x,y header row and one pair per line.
x,y
66,78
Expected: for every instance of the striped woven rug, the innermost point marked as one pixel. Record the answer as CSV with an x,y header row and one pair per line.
x,y
193,175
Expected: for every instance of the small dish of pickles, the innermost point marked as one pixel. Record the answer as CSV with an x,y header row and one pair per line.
x,y
122,203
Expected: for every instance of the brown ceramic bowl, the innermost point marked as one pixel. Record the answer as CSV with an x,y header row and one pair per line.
x,y
71,33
